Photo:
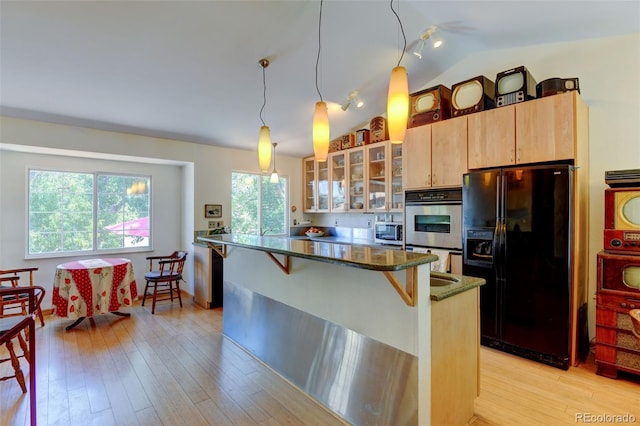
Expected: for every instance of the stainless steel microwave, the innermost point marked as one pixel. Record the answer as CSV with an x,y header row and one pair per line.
x,y
388,233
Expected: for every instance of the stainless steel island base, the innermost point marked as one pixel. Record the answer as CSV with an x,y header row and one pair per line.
x,y
359,378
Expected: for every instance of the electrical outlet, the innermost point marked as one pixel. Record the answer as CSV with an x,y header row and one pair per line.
x,y
369,223
336,222
212,224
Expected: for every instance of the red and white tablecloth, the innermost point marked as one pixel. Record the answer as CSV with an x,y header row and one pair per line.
x,y
85,288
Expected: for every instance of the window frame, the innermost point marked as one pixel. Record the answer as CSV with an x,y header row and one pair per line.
x,y
95,251
287,200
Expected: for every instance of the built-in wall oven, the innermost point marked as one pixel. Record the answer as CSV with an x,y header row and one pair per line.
x,y
433,223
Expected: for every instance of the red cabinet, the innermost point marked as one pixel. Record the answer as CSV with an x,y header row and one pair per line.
x,y
617,349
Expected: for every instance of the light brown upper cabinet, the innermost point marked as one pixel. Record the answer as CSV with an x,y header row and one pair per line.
x,y
384,177
435,154
448,152
310,188
492,137
416,161
316,185
546,129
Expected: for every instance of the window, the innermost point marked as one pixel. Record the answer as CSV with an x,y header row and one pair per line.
x,y
257,205
87,212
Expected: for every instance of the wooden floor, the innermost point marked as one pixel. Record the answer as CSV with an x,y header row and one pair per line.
x,y
175,368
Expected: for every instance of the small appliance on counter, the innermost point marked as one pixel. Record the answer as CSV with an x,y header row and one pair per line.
x,y
388,233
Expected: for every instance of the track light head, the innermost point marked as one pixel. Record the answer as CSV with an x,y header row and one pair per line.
x,y
427,34
353,97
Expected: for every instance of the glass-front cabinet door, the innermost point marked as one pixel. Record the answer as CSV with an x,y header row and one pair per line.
x,y
338,188
323,185
395,175
310,185
357,173
377,180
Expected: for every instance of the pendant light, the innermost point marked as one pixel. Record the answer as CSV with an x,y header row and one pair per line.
x,y
398,96
264,140
321,132
274,174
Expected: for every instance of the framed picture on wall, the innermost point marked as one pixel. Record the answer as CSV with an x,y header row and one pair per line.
x,y
213,210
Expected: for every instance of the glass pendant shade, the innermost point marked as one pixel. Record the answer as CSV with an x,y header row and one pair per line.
x,y
321,132
398,104
264,148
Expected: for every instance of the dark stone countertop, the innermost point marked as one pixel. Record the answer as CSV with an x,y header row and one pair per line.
x,y
462,284
372,258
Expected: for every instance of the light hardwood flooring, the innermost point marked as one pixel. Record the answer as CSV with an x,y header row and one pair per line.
x,y
175,368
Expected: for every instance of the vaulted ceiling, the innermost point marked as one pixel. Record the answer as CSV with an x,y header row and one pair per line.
x,y
189,70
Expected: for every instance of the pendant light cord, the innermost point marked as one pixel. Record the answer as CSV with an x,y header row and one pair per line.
x,y
402,30
318,57
264,94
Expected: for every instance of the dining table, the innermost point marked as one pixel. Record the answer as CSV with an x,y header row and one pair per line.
x,y
85,288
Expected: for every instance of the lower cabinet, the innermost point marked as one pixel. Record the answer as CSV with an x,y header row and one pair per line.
x,y
207,266
455,358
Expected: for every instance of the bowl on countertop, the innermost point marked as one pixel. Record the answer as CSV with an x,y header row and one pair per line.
x,y
314,234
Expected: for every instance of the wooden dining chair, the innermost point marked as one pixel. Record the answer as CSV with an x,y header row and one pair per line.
x,y
163,278
13,327
16,304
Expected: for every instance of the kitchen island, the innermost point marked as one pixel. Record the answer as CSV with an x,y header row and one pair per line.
x,y
349,325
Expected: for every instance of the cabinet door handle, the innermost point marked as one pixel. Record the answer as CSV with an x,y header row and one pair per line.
x,y
511,155
429,179
435,179
519,154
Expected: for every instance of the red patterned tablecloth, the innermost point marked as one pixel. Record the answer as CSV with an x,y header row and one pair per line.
x,y
88,287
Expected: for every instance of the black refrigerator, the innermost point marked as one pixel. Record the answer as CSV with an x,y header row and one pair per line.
x,y
517,236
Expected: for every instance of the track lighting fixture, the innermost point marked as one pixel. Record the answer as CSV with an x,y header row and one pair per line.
x,y
355,98
427,34
264,140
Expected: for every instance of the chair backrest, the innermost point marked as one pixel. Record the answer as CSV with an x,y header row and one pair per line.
x,y
33,294
15,273
171,265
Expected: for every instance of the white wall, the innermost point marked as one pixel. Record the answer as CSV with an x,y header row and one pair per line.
x,y
166,182
185,177
608,70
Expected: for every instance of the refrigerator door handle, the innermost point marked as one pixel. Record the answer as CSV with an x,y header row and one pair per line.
x,y
498,199
499,241
494,250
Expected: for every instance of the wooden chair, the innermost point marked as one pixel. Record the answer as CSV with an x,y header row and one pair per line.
x,y
163,277
12,327
16,304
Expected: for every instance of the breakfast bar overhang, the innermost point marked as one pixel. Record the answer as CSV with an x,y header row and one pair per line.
x,y
349,325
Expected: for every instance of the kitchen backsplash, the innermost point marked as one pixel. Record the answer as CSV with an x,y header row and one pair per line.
x,y
349,220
